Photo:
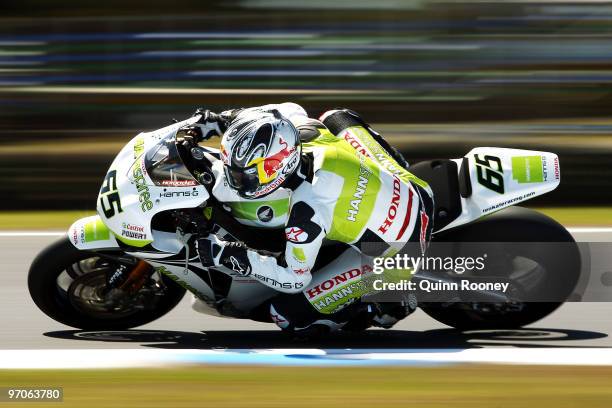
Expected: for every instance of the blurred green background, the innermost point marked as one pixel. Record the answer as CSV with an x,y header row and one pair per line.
x,y
78,79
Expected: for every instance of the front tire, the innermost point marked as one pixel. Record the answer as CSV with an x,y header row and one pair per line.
x,y
514,224
49,281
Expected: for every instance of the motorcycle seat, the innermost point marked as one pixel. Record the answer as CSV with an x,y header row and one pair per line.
x,y
448,184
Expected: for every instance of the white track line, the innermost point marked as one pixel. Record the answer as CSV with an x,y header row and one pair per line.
x,y
32,233
118,358
596,230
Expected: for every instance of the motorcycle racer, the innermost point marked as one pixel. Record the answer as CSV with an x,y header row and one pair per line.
x,y
348,186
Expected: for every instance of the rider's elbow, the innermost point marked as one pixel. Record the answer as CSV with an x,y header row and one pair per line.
x,y
292,110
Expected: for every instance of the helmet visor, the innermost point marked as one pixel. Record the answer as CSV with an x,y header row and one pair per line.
x,y
244,181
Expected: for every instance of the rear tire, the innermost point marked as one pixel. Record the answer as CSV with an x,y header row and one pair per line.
x,y
55,303
514,224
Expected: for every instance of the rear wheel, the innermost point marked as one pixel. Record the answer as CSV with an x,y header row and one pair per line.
x,y
535,268
70,286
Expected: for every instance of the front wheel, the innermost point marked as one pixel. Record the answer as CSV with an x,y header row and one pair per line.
x,y
70,286
559,270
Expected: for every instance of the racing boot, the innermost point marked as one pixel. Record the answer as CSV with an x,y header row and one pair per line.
x,y
389,313
306,323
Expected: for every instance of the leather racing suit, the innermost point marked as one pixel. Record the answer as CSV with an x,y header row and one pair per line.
x,y
348,189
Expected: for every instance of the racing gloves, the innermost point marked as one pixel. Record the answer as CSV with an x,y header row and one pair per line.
x,y
210,124
233,255
215,123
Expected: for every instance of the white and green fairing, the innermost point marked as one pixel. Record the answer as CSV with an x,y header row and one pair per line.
x,y
91,233
129,197
135,190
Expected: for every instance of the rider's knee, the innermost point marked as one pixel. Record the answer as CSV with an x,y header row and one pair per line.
x,y
278,318
289,311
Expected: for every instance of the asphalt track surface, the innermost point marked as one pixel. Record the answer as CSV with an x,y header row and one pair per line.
x,y
25,327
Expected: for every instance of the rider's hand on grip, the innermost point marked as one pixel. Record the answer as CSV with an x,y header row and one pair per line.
x,y
210,123
191,136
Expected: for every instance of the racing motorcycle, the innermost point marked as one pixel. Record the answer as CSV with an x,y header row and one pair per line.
x,y
134,261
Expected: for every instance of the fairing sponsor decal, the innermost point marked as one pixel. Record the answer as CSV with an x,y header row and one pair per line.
x,y
338,291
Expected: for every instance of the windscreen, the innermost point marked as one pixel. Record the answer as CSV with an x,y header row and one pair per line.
x,y
165,167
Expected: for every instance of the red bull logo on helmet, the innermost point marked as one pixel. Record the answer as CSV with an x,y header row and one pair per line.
x,y
268,167
273,163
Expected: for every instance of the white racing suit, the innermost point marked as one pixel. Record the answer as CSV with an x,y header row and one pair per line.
x,y
350,190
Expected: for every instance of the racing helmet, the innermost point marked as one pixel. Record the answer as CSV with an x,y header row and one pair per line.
x,y
260,151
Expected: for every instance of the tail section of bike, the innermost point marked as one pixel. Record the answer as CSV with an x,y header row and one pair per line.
x,y
486,180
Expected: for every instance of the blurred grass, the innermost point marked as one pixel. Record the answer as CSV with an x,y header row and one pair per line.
x,y
37,220
580,216
459,386
61,220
